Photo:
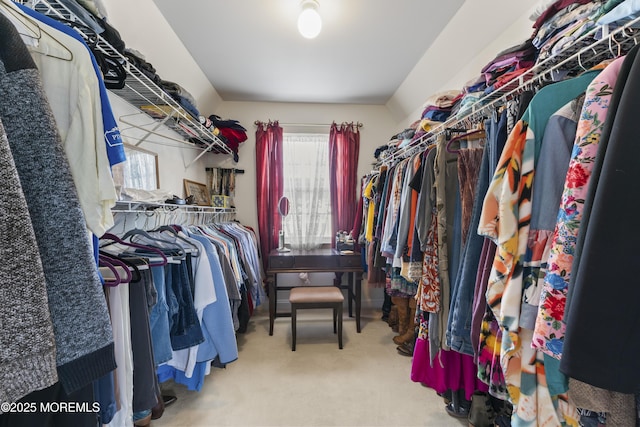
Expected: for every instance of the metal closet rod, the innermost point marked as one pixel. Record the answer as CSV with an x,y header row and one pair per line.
x,y
139,206
536,73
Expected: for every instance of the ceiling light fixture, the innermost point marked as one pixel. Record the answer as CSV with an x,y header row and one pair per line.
x,y
309,22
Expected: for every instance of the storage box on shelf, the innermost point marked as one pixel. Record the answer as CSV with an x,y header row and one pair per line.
x,y
220,201
141,92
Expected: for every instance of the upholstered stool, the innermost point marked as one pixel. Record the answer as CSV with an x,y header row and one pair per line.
x,y
316,297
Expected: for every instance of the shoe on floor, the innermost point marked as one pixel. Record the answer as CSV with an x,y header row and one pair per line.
x,y
406,348
459,412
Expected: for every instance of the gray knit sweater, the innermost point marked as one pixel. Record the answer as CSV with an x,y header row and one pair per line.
x,y
27,347
83,336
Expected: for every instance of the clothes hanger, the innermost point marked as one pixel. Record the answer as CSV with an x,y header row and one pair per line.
x,y
116,262
164,260
174,233
8,10
477,134
580,62
619,51
28,23
108,280
162,243
120,263
134,268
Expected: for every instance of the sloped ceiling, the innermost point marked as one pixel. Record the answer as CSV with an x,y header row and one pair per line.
x,y
369,51
250,50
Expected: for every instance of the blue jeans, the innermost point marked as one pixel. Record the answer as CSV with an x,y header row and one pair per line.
x,y
103,390
461,314
159,319
184,326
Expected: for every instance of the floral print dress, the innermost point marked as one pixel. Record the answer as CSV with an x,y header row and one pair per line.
x,y
549,328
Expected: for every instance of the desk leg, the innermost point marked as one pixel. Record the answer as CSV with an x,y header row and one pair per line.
x,y
358,279
350,293
273,298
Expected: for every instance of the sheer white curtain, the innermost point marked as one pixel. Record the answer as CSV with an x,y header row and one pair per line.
x,y
306,184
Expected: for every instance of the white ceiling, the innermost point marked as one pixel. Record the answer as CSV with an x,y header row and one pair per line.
x,y
250,50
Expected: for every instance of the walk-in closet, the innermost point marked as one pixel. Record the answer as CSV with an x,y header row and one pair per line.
x,y
319,213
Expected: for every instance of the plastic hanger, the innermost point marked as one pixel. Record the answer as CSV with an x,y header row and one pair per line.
x,y
154,250
104,262
477,134
174,233
134,268
116,262
162,243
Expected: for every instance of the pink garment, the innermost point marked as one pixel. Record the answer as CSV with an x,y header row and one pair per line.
x,y
450,371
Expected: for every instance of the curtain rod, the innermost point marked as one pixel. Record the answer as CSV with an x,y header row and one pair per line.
x,y
358,124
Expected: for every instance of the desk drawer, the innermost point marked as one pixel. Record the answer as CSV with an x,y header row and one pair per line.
x,y
316,262
281,262
349,261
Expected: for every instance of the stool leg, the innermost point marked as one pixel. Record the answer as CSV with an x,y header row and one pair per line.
x,y
340,327
293,327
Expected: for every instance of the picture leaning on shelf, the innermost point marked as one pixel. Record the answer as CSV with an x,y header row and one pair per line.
x,y
199,192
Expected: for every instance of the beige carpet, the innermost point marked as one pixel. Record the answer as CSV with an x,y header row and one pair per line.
x,y
365,384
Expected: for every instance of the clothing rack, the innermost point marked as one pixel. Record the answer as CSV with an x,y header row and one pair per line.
x,y
167,213
584,53
138,206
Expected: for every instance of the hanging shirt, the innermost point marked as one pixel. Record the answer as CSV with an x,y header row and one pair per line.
x,y
204,294
71,85
505,219
112,136
84,342
549,326
368,195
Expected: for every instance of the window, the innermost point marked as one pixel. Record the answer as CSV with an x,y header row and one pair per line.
x,y
306,184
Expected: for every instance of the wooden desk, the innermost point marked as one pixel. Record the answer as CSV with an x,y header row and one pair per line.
x,y
314,261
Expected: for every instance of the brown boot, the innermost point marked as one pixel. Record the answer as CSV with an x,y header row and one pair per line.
x,y
402,305
158,410
393,318
411,314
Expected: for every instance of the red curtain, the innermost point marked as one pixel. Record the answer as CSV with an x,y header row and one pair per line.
x,y
344,147
269,184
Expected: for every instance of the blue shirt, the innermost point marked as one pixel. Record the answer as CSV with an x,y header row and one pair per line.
x,y
112,137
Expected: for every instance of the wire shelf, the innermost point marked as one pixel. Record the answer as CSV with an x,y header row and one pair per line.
x,y
138,206
139,90
592,48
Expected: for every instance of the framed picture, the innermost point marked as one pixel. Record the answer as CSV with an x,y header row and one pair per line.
x,y
198,191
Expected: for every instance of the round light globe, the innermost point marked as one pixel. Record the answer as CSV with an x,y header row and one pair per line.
x,y
309,23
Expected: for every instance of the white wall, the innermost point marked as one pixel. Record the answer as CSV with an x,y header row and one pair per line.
x,y
478,31
144,28
517,32
376,122
174,157
375,132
